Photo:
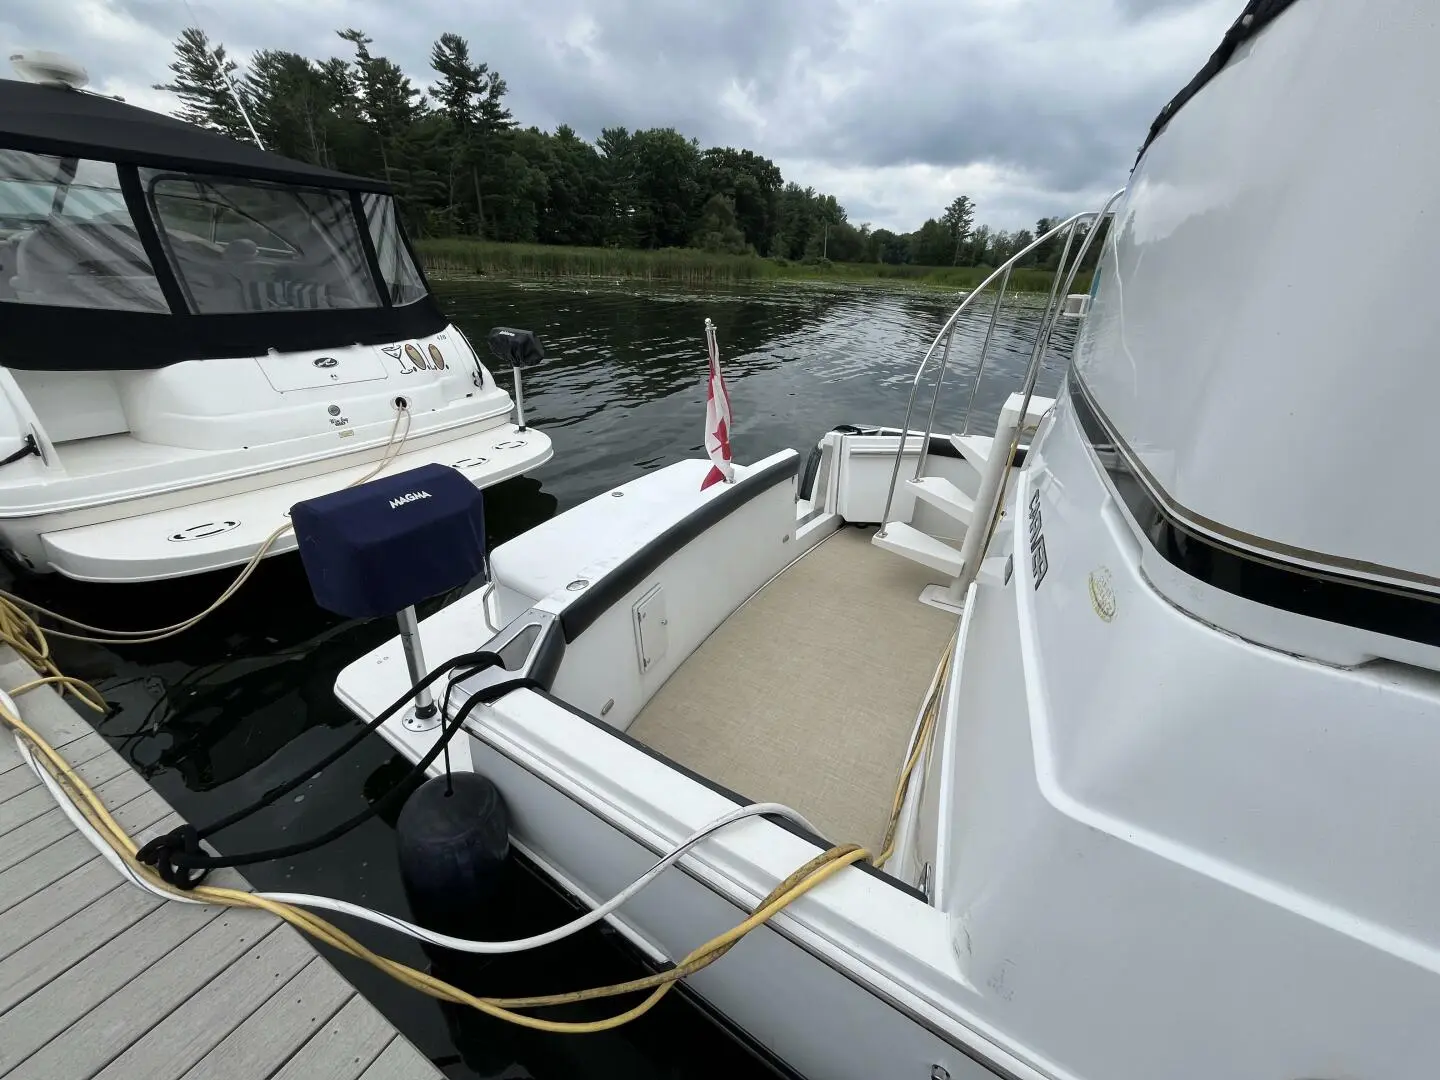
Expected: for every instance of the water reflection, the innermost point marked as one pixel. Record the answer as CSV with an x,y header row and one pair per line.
x,y
623,386
219,721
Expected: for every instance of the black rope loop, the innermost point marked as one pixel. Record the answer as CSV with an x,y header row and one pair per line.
x,y
166,851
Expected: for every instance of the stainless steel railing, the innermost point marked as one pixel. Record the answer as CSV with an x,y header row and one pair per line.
x,y
1065,272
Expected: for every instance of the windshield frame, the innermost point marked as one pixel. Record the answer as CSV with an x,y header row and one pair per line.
x,y
402,278
353,260
220,203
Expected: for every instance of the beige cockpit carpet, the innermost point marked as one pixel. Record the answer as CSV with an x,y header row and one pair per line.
x,y
808,694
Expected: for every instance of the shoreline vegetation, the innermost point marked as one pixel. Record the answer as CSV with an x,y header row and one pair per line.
x,y
690,266
488,195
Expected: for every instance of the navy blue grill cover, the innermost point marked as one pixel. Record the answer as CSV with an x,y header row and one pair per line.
x,y
380,547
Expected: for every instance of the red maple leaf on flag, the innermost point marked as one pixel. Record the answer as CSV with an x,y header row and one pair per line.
x,y
722,436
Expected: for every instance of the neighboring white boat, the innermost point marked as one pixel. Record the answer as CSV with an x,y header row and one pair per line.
x,y
1176,783
196,334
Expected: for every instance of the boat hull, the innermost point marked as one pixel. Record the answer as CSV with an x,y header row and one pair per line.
x,y
778,985
212,526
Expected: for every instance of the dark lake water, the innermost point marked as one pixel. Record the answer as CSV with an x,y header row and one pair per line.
x,y
218,715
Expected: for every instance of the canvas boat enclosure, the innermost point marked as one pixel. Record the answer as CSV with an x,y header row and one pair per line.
x,y
143,241
178,308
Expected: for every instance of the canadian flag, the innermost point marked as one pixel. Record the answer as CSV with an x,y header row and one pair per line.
x,y
717,417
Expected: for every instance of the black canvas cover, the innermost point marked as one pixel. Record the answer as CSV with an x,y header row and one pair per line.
x,y
71,123
1257,15
47,335
36,338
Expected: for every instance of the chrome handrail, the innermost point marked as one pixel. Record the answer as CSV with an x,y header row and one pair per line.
x,y
1003,270
924,455
935,401
987,518
984,353
1047,327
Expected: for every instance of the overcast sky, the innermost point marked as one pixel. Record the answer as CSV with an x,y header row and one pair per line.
x,y
894,106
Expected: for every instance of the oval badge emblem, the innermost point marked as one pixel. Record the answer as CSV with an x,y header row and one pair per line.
x,y
325,361
203,532
1102,594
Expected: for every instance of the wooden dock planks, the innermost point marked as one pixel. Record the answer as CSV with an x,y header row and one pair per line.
x,y
99,979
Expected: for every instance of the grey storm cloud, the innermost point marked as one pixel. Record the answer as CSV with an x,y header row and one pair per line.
x,y
894,106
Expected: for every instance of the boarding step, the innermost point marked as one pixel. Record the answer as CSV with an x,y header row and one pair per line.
x,y
1037,408
974,448
944,496
996,570
920,547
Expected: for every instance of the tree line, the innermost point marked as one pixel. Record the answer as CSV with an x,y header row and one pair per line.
x,y
461,166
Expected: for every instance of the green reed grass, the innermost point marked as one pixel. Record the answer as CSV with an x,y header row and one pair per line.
x,y
690,266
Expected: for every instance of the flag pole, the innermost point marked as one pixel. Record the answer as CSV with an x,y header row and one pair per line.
x,y
717,416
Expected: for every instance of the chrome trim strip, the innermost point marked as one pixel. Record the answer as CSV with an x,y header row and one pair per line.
x,y
1199,523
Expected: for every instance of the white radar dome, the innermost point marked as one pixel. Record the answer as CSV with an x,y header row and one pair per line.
x,y
48,68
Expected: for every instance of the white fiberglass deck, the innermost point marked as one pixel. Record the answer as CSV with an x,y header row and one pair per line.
x,y
808,694
226,530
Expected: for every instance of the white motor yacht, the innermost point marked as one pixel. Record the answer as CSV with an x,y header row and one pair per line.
x,y
196,334
1154,669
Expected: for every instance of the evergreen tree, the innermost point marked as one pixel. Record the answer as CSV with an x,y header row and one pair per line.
x,y
617,171
468,93
291,106
461,166
981,251
470,97
200,81
1048,253
958,218
392,108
